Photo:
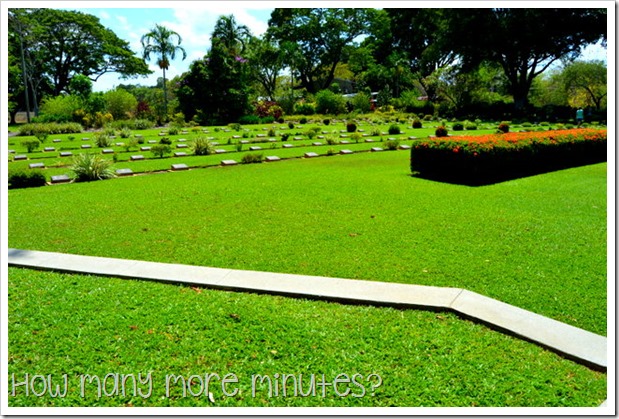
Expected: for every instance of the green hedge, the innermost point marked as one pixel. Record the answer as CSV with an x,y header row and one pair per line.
x,y
50,128
494,158
26,179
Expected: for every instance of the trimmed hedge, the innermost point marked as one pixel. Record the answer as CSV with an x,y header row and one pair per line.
x,y
494,158
50,128
26,179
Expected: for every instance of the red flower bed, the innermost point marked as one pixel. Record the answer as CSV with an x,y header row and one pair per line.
x,y
492,158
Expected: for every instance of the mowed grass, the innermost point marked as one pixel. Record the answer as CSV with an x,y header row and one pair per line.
x,y
538,243
77,325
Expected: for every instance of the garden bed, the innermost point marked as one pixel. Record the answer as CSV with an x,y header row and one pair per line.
x,y
488,159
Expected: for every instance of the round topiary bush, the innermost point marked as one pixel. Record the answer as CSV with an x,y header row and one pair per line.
x,y
441,131
504,127
351,127
458,126
417,123
394,129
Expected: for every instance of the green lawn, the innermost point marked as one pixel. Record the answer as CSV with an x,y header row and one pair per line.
x,y
77,325
538,243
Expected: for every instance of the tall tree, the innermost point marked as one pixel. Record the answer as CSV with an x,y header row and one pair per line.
x,y
233,36
265,61
585,83
164,43
62,43
525,42
316,39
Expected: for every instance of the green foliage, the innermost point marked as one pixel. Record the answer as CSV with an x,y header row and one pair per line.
x,y
328,102
304,109
202,146
140,124
503,127
441,131
25,179
394,129
251,158
174,130
391,144
125,133
59,109
49,128
458,126
120,103
165,140
351,127
31,145
88,167
160,150
470,126
326,121
102,140
361,102
249,120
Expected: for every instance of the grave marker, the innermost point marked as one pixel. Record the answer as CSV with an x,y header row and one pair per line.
x,y
86,146
271,158
36,166
65,154
137,157
20,157
61,179
144,148
49,149
345,152
255,148
180,154
228,162
310,154
180,166
124,172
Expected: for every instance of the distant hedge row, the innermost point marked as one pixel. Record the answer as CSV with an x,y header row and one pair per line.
x,y
493,158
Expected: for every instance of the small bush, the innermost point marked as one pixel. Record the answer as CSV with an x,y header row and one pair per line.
x,y
331,141
356,137
285,137
304,109
143,124
165,140
417,124
31,145
503,127
375,132
271,132
351,127
303,120
394,129
290,125
392,144
125,133
526,125
441,131
26,179
109,130
88,167
174,130
310,133
41,136
427,117
161,150
470,126
202,147
458,126
102,140
269,119
50,128
251,158
326,121
249,120
331,152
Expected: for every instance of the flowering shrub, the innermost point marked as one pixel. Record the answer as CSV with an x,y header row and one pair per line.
x,y
496,157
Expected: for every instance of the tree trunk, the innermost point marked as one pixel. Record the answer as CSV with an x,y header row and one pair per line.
x,y
165,99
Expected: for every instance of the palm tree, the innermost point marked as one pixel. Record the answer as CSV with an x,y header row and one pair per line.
x,y
232,35
160,41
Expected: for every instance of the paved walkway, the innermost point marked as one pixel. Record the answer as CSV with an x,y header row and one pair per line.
x,y
577,344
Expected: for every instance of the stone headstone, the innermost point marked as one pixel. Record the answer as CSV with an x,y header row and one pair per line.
x,y
310,154
181,146
412,138
180,154
138,136
180,166
120,144
49,149
220,151
361,130
124,172
297,138
182,140
228,162
56,140
36,165
369,140
214,143
343,131
161,134
112,137
85,139
11,151
343,136
107,151
65,154
271,158
236,137
152,141
244,142
321,137
20,157
365,135
404,147
345,152
376,149
137,157
287,146
61,179
317,143
261,135
255,148
86,146
344,142
272,140
144,148
184,131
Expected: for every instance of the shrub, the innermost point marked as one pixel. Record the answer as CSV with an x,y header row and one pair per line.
x,y
120,103
351,127
356,137
143,124
285,137
328,102
458,126
303,120
417,124
271,132
310,133
165,140
503,127
125,133
26,179
102,140
331,152
131,144
41,136
161,150
491,158
267,119
470,126
427,117
109,130
526,125
88,167
441,131
361,102
202,147
304,109
394,129
392,144
251,158
174,130
31,145
326,121
330,140
50,128
375,132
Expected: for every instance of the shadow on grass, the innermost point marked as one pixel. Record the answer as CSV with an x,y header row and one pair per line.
x,y
489,178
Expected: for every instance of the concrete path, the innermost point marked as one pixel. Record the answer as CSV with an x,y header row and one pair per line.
x,y
577,344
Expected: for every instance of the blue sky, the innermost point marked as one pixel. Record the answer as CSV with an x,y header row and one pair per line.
x,y
194,21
